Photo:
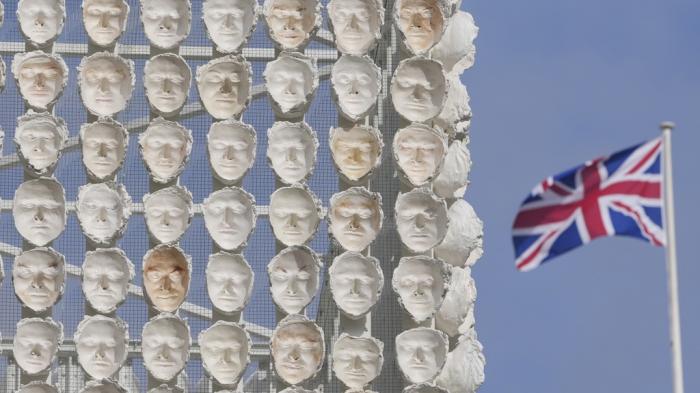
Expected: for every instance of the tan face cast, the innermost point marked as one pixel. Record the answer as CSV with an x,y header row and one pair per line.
x,y
356,151
166,277
38,277
297,349
39,210
294,277
355,218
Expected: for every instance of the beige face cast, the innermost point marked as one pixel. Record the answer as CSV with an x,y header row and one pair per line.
x,y
463,243
297,349
103,211
36,343
230,281
106,83
41,21
421,283
356,24
168,213
105,20
166,277
104,145
419,89
38,277
166,22
40,78
40,138
167,79
224,86
357,361
356,151
166,346
294,215
229,23
356,83
294,278
356,283
101,343
422,23
39,210
230,215
355,218
165,149
292,22
421,353
231,145
291,150
225,349
419,151
291,81
107,273
421,219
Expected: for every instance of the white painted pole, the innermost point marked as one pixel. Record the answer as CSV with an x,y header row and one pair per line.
x,y
671,266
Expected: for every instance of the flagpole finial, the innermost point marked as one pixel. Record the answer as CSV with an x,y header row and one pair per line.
x,y
668,125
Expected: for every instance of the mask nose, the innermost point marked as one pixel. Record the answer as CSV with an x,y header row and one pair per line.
x,y
416,21
39,215
102,150
102,215
40,20
40,80
355,288
291,155
354,222
104,20
100,353
163,353
104,284
166,284
103,85
37,282
167,86
228,21
227,86
419,356
292,221
166,24
35,352
292,287
418,92
228,217
230,153
420,221
166,152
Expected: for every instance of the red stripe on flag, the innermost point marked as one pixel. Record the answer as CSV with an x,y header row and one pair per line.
x,y
535,252
646,158
639,221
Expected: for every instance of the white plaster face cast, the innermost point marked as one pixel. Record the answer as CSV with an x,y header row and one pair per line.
x,y
452,317
104,145
106,83
294,278
230,23
456,50
291,150
419,151
421,283
464,369
166,277
355,217
224,86
453,179
39,276
291,81
103,211
230,215
36,343
422,22
166,22
456,111
356,283
294,215
165,148
421,353
168,213
107,273
39,210
419,89
40,77
101,343
297,349
41,21
230,281
424,388
40,138
463,244
356,83
225,349
421,219
291,23
166,346
167,79
103,386
356,24
105,20
231,145
356,151
38,387
357,361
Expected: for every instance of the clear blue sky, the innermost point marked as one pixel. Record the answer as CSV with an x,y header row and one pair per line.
x,y
557,83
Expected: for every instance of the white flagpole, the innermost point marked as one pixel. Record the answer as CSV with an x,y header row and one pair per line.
x,y
671,267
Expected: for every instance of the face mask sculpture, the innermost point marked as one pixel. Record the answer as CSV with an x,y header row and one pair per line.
x,y
356,24
355,217
453,179
422,23
458,306
291,81
168,213
39,140
294,215
419,89
39,276
224,86
103,386
165,148
231,145
464,368
292,23
40,77
356,83
36,343
421,283
104,145
106,83
39,210
103,211
230,215
166,346
230,281
456,114
225,349
357,361
230,23
166,22
356,283
297,349
421,219
107,273
166,277
105,20
294,277
456,50
101,345
38,387
167,79
419,151
291,150
356,151
463,244
41,21
424,388
421,353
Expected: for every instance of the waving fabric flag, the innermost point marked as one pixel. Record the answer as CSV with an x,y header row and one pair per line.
x,y
618,195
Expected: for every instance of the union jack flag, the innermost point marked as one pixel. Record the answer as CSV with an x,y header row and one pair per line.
x,y
618,195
